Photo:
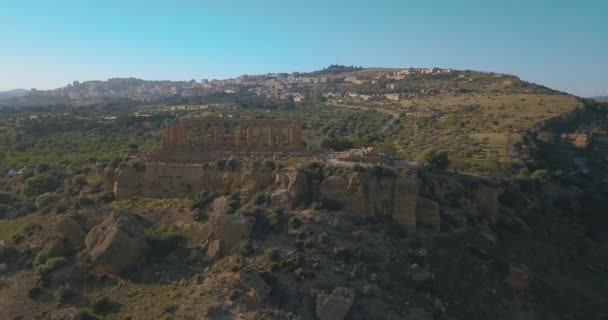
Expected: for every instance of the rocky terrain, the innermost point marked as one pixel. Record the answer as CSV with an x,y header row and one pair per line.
x,y
497,210
302,246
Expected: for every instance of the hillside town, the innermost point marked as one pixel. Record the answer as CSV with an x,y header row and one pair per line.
x,y
278,86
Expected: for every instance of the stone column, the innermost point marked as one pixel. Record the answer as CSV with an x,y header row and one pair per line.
x,y
270,144
170,141
296,136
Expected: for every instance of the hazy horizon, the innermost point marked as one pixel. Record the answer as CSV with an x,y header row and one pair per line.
x,y
48,45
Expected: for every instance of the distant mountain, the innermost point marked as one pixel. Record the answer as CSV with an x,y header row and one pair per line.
x,y
601,99
5,95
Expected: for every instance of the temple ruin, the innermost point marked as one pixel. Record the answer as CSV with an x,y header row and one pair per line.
x,y
211,137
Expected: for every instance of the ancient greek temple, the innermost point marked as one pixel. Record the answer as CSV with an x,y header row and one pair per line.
x,y
218,133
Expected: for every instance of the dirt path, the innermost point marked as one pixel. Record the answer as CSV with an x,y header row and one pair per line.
x,y
386,126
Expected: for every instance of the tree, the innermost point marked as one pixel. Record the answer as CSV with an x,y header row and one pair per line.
x,y
387,147
436,160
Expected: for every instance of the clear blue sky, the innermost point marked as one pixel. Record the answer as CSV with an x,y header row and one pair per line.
x,y
49,43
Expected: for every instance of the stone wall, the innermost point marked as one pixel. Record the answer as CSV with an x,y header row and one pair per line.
x,y
368,193
166,180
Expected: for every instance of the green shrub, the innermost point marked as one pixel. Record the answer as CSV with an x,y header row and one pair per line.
x,y
260,199
274,254
541,175
104,306
275,219
220,163
107,197
42,168
269,164
342,253
45,199
7,253
35,292
233,163
63,294
436,160
79,180
44,270
203,199
163,243
245,248
200,216
40,184
294,223
5,197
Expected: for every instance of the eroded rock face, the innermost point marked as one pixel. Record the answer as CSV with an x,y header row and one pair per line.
x,y
71,231
116,243
427,213
334,306
230,230
128,182
251,280
108,179
374,194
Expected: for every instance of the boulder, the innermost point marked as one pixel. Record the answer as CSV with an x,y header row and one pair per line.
x,y
65,314
129,182
59,247
281,199
219,205
230,230
108,179
518,277
427,213
71,231
214,249
423,278
73,275
334,306
116,243
251,280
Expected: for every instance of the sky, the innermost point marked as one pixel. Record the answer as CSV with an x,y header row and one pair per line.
x,y
47,44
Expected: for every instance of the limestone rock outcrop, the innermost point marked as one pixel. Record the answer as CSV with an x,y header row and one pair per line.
x,y
70,230
116,243
427,213
251,280
128,181
230,230
334,306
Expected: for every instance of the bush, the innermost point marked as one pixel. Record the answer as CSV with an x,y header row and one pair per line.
x,y
260,199
63,294
45,199
270,164
220,163
245,248
163,243
35,292
42,168
40,184
107,197
233,164
294,223
5,197
7,253
342,253
44,270
275,219
436,160
274,254
541,175
104,305
200,216
79,180
203,199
